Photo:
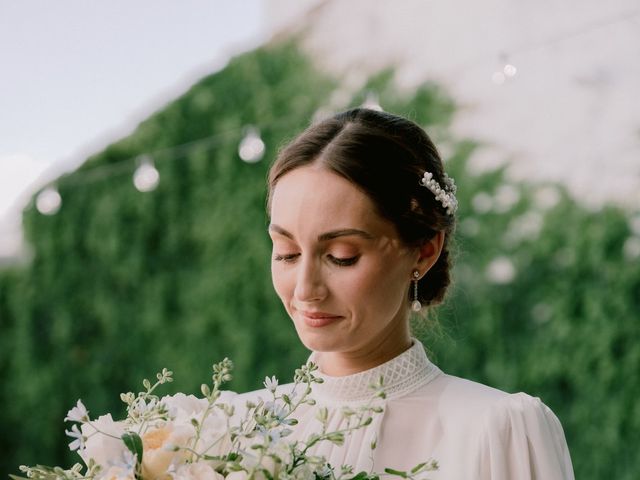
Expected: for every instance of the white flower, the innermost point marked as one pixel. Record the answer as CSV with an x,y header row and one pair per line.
x,y
78,413
196,471
184,405
241,475
103,443
117,473
121,469
80,439
185,408
271,383
276,409
140,406
273,435
325,470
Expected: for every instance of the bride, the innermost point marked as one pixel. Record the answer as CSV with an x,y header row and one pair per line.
x,y
361,214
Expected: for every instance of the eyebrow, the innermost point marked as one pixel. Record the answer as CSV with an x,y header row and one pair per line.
x,y
327,235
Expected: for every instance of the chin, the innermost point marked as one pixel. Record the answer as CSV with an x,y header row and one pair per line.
x,y
319,341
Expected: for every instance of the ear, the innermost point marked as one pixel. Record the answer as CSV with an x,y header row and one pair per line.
x,y
429,253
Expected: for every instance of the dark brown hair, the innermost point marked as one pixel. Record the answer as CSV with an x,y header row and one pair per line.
x,y
385,156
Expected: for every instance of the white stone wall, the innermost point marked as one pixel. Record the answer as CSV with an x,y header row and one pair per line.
x,y
571,113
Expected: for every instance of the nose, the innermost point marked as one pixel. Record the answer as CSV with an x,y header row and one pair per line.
x,y
310,284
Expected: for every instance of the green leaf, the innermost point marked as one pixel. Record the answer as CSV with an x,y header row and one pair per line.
x,y
360,476
398,473
134,443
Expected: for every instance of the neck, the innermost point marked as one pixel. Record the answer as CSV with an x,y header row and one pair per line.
x,y
339,364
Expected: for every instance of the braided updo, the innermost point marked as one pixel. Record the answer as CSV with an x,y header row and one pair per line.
x,y
384,155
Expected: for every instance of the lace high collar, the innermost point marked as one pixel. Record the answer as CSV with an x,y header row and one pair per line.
x,y
403,374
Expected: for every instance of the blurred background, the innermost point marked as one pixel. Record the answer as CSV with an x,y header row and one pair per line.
x,y
135,138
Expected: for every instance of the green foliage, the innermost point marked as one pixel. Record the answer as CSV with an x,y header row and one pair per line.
x,y
124,283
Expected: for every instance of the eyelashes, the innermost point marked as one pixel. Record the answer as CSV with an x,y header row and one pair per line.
x,y
284,258
342,262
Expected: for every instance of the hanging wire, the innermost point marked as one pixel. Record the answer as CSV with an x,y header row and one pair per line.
x,y
100,172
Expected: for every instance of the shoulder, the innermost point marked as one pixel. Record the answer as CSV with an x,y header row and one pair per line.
x,y
482,401
490,409
516,434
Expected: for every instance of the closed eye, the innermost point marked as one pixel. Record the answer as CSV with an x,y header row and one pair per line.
x,y
285,258
344,262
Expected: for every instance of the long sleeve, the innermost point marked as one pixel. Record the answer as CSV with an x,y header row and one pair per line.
x,y
523,439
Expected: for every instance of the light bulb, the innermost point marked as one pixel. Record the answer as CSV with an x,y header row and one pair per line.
x,y
146,176
251,148
48,201
631,248
371,102
501,270
510,70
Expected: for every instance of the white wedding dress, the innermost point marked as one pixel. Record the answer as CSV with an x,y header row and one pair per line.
x,y
471,430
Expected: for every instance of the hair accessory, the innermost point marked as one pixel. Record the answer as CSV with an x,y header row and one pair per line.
x,y
446,196
416,306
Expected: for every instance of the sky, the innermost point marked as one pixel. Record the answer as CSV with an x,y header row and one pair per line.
x,y
77,75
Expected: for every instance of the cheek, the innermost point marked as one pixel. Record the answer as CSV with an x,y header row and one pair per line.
x,y
282,283
382,290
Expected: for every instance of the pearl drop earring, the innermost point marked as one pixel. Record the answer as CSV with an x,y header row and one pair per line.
x,y
416,306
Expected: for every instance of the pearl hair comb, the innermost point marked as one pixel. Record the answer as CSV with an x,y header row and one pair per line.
x,y
446,196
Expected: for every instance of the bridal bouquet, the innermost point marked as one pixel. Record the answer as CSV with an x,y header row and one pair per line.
x,y
183,437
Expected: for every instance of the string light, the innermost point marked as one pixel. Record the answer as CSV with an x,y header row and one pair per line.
x,y
507,71
251,148
371,102
631,248
146,176
510,70
48,201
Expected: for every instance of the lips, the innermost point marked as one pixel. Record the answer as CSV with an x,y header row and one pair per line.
x,y
318,315
319,319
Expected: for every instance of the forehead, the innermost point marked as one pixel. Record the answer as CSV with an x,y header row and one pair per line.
x,y
314,199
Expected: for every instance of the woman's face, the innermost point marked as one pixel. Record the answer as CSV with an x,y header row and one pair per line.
x,y
339,268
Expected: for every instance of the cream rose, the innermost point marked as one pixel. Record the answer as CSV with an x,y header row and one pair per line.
x,y
158,450
196,471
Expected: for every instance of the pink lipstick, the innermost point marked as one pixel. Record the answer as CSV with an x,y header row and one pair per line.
x,y
319,319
